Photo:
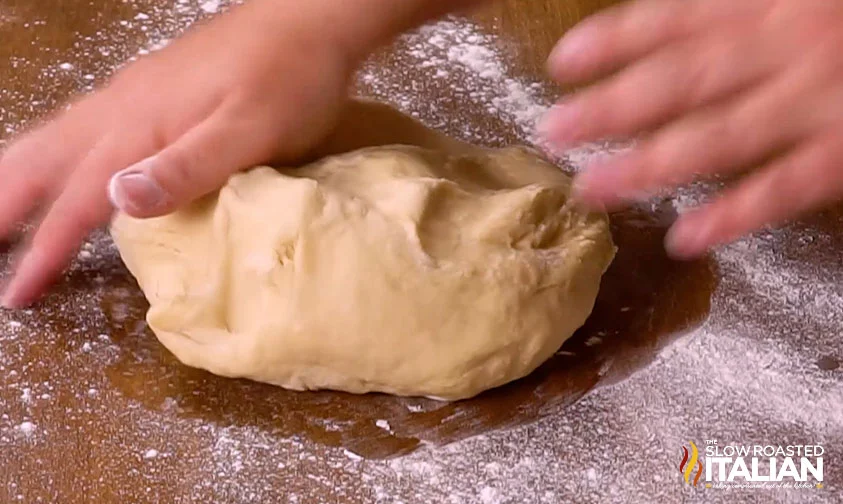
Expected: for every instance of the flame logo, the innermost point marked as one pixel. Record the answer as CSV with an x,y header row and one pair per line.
x,y
686,467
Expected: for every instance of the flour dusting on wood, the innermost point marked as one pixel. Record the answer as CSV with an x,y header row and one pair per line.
x,y
731,379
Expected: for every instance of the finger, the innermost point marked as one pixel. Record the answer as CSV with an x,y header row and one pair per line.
x,y
806,179
721,139
20,190
33,165
81,207
618,35
659,88
199,162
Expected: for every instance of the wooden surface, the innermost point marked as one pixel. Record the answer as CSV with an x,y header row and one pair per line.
x,y
117,419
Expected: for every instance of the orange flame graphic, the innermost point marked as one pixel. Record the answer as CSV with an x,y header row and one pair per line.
x,y
686,467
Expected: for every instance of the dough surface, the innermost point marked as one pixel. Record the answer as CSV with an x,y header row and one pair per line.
x,y
398,269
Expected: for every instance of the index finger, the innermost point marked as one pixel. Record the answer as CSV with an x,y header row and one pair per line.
x,y
612,38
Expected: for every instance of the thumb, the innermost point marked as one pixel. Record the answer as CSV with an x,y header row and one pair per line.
x,y
199,162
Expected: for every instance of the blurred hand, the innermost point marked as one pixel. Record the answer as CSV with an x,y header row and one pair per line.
x,y
716,86
254,85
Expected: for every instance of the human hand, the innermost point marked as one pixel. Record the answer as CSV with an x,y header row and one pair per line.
x,y
716,86
258,84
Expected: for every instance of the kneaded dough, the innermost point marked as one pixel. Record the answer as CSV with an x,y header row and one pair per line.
x,y
441,271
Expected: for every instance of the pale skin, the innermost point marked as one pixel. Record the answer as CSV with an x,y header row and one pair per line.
x,y
709,86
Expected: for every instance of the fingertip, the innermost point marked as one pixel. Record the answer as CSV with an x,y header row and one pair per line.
x,y
7,302
36,267
24,287
136,192
11,302
567,56
610,183
573,56
586,191
689,237
561,126
594,196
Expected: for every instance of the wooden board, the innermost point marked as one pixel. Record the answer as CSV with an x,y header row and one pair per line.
x,y
95,410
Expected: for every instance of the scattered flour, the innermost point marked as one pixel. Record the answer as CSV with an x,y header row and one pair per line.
x,y
26,428
352,455
467,62
210,6
459,52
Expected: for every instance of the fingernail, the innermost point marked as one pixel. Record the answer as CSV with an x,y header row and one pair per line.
x,y
560,126
687,238
134,190
570,52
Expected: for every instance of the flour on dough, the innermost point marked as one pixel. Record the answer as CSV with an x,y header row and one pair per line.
x,y
442,270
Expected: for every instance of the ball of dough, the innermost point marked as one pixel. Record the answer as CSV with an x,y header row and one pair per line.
x,y
393,269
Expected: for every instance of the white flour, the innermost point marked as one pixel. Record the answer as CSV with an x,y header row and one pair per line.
x,y
456,51
696,389
466,61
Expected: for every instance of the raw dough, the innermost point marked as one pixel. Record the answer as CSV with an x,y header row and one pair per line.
x,y
397,269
